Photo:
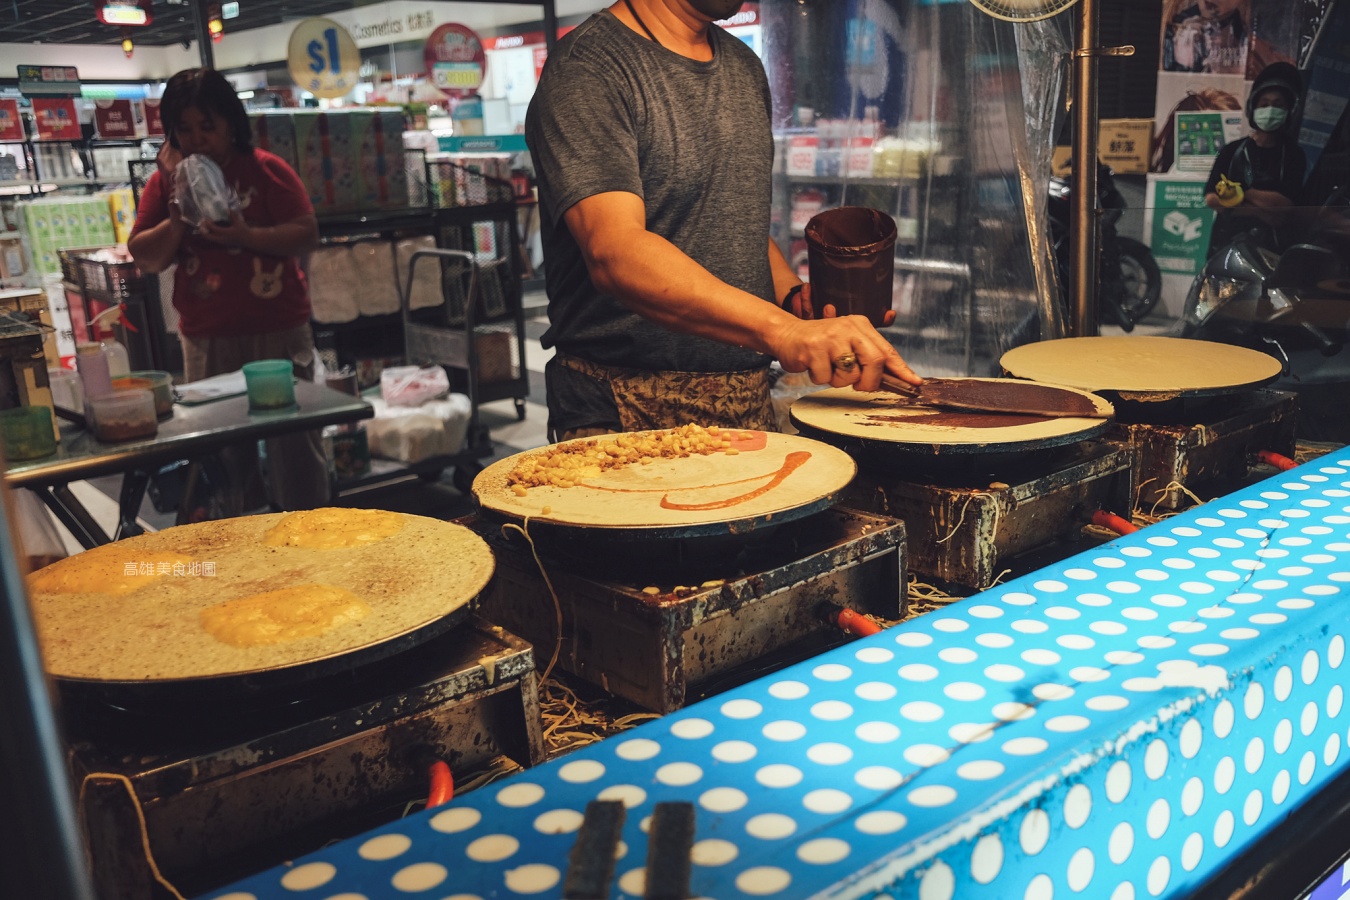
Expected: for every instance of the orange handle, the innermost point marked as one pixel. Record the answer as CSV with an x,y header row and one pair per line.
x,y
1270,458
857,624
1114,522
442,784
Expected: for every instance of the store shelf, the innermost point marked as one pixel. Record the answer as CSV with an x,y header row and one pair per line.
x,y
851,180
16,189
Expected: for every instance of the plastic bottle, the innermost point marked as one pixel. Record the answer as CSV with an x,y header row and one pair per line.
x,y
91,360
119,361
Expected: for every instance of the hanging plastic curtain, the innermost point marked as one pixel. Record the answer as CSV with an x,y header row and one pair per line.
x,y
920,109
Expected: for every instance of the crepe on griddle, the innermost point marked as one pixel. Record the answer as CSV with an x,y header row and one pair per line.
x,y
408,572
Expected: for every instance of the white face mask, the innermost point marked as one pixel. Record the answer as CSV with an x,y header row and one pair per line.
x,y
1269,118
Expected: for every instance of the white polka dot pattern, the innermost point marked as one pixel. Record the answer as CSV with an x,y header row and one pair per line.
x,y
1205,653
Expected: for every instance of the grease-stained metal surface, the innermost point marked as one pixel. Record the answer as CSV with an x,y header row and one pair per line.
x,y
259,777
1211,454
656,628
963,534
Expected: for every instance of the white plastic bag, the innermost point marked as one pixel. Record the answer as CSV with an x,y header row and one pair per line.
x,y
202,192
413,386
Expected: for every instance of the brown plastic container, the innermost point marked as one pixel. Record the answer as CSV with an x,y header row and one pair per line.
x,y
851,255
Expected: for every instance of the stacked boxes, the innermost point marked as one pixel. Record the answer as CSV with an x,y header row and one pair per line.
x,y
348,160
463,179
51,225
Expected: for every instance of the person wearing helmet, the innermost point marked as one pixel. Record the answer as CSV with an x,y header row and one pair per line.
x,y
1253,182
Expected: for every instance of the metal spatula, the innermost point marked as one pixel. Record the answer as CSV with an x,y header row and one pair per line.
x,y
1000,396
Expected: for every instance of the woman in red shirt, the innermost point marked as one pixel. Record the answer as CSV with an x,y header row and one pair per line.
x,y
238,287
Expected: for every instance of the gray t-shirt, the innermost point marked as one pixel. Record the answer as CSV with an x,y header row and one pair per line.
x,y
616,112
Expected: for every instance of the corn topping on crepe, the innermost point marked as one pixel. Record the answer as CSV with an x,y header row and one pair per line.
x,y
566,465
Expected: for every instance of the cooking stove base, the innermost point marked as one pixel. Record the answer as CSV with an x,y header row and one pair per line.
x,y
1207,449
963,527
716,612
228,790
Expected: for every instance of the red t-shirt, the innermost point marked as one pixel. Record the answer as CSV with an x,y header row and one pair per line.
x,y
224,291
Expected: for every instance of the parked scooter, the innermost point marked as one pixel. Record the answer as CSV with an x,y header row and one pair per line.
x,y
1294,305
1130,283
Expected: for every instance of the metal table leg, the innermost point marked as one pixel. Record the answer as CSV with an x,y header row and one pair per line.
x,y
72,514
134,484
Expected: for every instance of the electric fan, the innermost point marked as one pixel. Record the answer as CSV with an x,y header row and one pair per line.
x,y
1023,10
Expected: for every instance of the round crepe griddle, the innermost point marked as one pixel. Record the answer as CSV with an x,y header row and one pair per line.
x,y
884,418
418,583
687,497
1143,368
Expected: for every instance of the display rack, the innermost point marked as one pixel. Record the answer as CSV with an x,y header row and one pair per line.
x,y
42,182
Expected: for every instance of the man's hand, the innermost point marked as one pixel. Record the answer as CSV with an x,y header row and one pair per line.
x,y
829,347
800,306
236,234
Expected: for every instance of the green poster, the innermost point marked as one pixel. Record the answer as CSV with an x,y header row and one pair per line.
x,y
1180,223
1199,138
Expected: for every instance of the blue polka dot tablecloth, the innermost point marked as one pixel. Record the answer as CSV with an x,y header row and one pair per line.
x,y
1117,726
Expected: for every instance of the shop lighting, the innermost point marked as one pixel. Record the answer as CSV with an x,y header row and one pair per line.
x,y
214,23
124,12
127,45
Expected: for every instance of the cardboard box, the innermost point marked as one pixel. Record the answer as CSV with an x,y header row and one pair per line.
x,y
34,300
1121,143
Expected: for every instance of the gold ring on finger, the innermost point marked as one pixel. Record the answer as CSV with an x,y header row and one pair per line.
x,y
846,362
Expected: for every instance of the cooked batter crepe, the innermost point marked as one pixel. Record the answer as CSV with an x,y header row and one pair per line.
x,y
252,594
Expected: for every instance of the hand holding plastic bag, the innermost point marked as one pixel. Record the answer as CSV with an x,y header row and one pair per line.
x,y
202,192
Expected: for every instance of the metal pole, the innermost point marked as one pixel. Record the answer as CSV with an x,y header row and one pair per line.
x,y
550,24
203,34
1083,215
42,855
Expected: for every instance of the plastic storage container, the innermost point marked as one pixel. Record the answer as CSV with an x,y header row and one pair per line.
x,y
66,389
125,415
160,384
270,383
27,432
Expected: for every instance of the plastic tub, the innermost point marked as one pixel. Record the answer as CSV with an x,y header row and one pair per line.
x,y
66,389
27,432
123,415
270,383
160,384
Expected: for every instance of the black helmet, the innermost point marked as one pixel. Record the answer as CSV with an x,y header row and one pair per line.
x,y
1283,76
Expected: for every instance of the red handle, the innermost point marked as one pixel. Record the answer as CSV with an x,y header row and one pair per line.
x,y
1114,522
857,624
1271,458
442,784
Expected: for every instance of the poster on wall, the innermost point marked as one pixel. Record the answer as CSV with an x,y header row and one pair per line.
x,y
1179,224
1211,36
56,119
1182,96
154,125
114,119
11,126
455,60
1328,84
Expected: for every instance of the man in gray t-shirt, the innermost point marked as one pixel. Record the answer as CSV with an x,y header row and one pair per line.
x,y
650,135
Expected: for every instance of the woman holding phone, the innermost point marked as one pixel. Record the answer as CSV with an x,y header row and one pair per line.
x,y
238,287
